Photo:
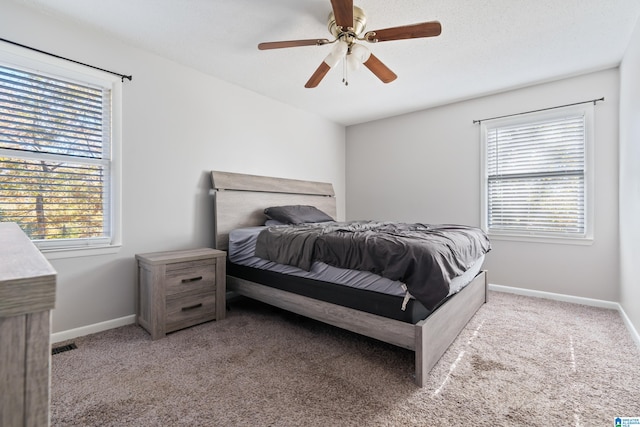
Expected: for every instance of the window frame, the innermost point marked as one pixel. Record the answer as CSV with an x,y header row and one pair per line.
x,y
537,236
30,61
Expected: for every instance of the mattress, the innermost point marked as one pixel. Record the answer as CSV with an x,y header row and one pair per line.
x,y
360,290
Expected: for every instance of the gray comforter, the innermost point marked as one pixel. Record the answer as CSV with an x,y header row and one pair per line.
x,y
424,257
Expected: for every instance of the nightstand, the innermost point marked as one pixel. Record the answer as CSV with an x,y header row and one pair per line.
x,y
179,289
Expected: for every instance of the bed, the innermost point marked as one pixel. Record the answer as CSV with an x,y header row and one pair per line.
x,y
239,204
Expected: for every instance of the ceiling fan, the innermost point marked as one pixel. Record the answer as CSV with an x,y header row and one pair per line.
x,y
346,23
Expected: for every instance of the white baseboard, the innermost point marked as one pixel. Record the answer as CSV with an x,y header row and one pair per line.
x,y
573,299
630,327
92,329
558,297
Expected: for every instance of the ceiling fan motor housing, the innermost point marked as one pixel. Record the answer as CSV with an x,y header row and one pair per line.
x,y
348,35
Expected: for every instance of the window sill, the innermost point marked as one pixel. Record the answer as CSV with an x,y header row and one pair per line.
x,y
578,241
76,252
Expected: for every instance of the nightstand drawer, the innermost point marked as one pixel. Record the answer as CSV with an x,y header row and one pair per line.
x,y
193,276
189,309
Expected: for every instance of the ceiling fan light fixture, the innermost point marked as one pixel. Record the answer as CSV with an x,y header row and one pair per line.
x,y
358,55
338,52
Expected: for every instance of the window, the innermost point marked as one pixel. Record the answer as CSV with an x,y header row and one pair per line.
x,y
537,175
57,171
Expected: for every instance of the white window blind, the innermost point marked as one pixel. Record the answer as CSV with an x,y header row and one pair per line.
x,y
55,159
536,176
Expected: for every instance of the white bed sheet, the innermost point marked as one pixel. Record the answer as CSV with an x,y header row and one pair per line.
x,y
242,243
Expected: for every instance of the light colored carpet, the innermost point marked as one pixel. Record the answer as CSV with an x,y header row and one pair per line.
x,y
520,361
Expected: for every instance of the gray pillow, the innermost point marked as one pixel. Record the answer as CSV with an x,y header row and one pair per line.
x,y
297,214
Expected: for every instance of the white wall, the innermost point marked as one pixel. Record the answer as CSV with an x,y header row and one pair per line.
x,y
425,166
630,180
178,124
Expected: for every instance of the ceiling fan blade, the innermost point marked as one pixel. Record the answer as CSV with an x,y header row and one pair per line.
x,y
414,31
379,69
318,75
343,12
292,43
337,53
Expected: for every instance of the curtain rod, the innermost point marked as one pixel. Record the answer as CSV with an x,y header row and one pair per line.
x,y
542,109
122,76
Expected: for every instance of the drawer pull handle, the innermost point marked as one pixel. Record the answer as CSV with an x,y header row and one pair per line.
x,y
191,307
194,279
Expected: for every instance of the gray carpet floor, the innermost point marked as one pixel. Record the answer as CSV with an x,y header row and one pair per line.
x,y
520,361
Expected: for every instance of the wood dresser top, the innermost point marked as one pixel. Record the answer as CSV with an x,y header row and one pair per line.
x,y
27,280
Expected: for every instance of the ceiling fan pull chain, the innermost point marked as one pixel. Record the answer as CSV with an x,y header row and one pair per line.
x,y
345,72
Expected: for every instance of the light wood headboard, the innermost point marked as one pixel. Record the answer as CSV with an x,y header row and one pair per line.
x,y
240,200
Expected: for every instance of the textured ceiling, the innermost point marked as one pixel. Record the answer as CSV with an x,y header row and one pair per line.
x,y
485,46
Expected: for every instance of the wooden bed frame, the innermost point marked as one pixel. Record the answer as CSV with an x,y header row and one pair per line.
x,y
239,201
